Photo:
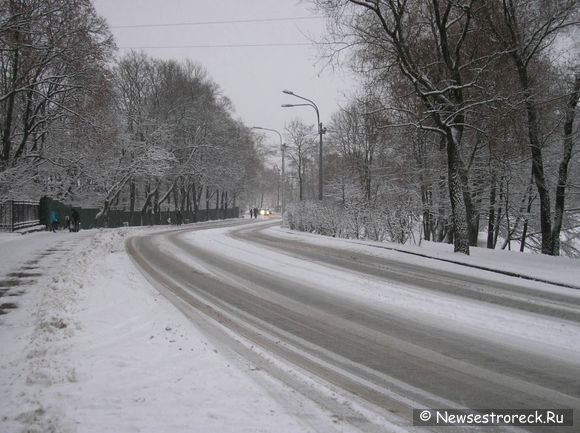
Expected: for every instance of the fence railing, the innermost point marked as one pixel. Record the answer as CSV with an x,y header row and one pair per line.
x,y
15,215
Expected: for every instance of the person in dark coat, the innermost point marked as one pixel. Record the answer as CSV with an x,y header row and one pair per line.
x,y
251,213
75,220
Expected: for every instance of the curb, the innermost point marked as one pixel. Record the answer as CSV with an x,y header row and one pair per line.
x,y
483,268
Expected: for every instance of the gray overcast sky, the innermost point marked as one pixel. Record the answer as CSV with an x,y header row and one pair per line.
x,y
252,77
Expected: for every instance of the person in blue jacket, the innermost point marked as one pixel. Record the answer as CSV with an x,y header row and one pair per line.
x,y
53,221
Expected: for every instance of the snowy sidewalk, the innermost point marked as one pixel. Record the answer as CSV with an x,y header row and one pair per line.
x,y
93,348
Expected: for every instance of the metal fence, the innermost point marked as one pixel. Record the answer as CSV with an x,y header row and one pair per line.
x,y
15,215
118,218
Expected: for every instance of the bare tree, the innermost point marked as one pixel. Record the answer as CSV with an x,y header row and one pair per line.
x,y
524,30
356,133
568,145
52,52
301,139
433,45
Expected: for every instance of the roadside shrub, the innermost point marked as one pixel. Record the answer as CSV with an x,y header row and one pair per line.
x,y
352,220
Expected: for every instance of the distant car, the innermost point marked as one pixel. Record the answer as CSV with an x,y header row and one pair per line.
x,y
265,212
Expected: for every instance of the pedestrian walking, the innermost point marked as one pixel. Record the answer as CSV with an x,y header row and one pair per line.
x,y
53,221
75,220
251,213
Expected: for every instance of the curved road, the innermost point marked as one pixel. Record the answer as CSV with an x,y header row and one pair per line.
x,y
369,364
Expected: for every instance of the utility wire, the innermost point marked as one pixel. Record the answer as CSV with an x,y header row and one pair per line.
x,y
273,44
204,23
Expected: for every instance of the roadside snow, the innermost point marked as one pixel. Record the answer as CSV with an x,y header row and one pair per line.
x,y
93,348
562,270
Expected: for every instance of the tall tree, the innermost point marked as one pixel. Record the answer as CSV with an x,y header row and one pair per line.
x,y
433,45
525,30
301,139
52,53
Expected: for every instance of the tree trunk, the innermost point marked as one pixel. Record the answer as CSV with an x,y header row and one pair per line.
x,y
537,163
167,195
526,221
217,203
195,204
177,196
507,242
226,204
197,198
427,202
564,163
441,223
7,133
367,178
457,194
475,195
156,205
145,216
132,198
491,214
207,198
499,214
27,125
300,179
183,196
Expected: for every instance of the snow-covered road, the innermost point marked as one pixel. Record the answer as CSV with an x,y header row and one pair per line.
x,y
271,331
370,337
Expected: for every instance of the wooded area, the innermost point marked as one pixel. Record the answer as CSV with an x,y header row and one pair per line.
x,y
465,124
132,133
465,121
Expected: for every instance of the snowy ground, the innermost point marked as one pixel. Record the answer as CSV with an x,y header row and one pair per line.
x,y
560,270
89,346
92,347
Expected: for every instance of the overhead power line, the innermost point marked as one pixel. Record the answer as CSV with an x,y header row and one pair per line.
x,y
207,23
274,44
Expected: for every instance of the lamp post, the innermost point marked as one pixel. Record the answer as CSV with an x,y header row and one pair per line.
x,y
321,131
283,149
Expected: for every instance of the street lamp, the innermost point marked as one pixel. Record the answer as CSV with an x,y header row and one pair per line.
x,y
321,131
283,149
